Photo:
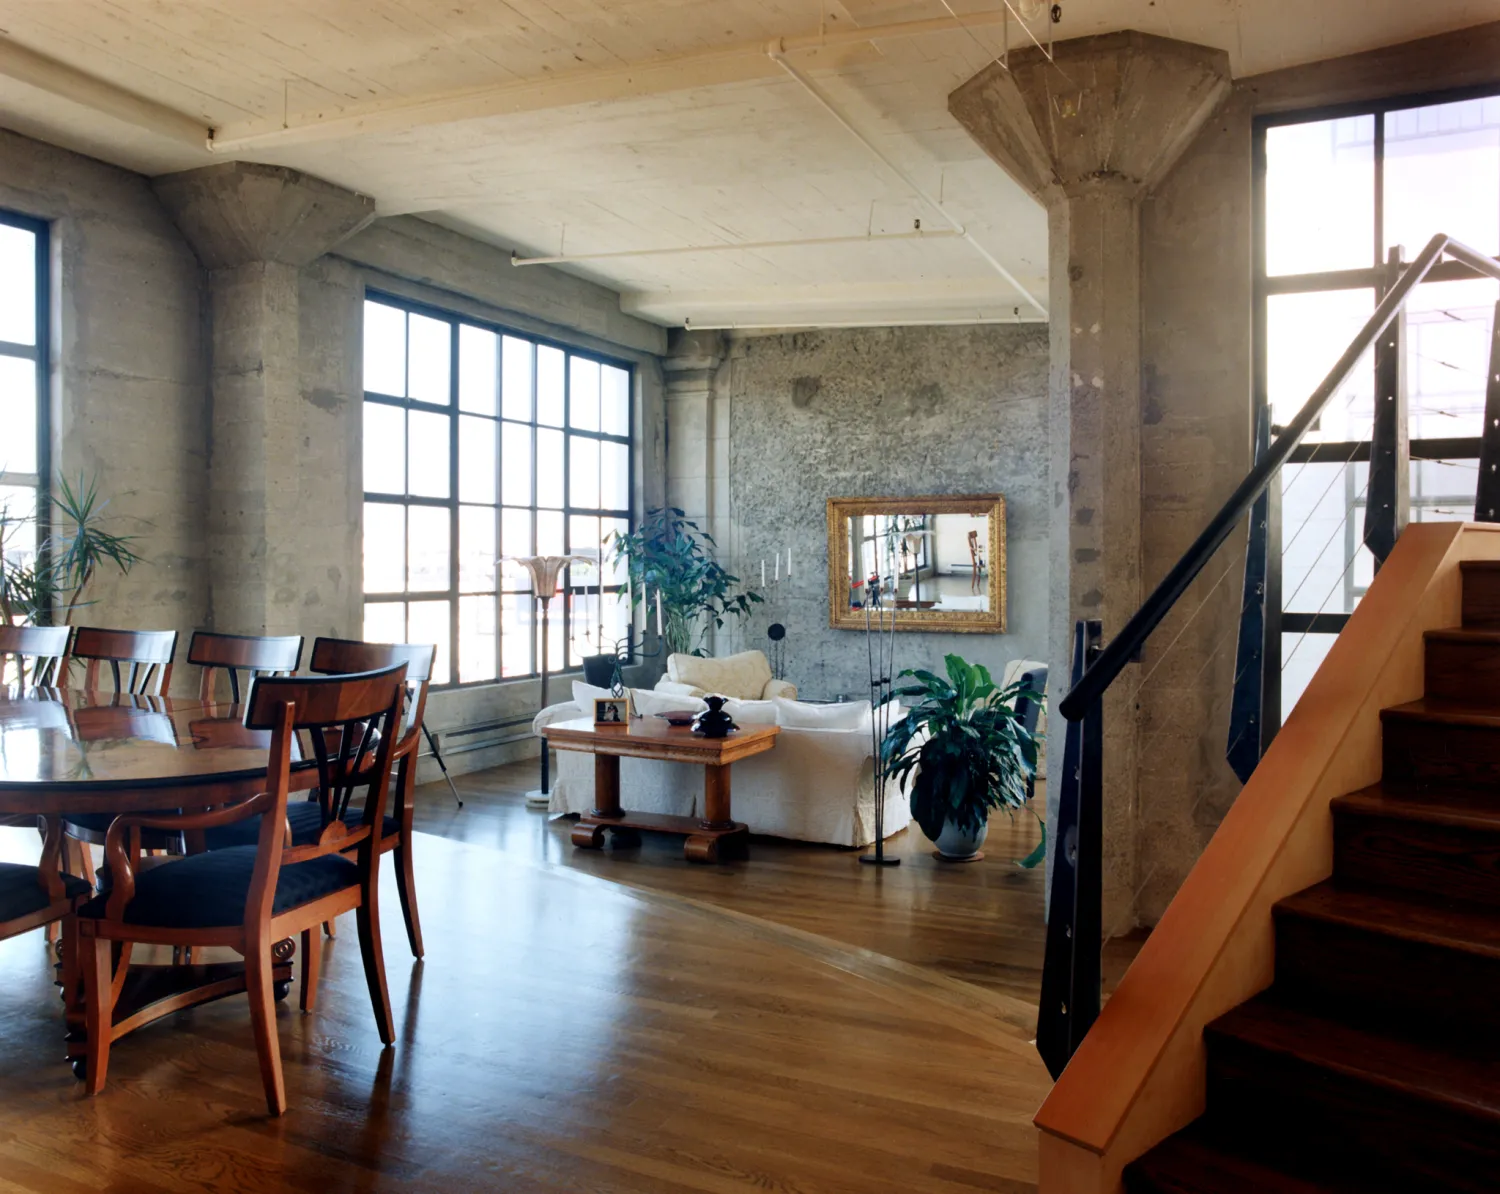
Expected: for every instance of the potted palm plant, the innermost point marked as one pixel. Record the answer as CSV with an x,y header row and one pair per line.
x,y
967,752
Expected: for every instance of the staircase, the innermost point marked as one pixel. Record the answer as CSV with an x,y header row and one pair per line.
x,y
1373,1062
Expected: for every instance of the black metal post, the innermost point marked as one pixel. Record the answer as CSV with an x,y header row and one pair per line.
x,y
1071,970
1388,503
1487,494
1243,750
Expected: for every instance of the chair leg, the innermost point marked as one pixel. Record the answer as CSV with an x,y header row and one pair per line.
x,y
99,1010
312,960
367,917
331,929
263,1021
406,888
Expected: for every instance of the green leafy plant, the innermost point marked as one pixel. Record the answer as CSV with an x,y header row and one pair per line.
x,y
670,554
967,747
34,587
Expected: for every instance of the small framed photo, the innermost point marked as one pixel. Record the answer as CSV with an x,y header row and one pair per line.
x,y
612,711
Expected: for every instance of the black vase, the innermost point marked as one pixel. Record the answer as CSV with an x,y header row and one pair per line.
x,y
713,722
599,670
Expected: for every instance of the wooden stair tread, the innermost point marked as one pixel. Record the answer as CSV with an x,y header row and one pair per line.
x,y
1409,915
1463,1081
1194,1162
1443,712
1480,636
1464,808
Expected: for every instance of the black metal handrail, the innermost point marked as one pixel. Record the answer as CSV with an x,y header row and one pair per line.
x,y
1126,645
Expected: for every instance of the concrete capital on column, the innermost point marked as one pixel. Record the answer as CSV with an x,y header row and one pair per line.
x,y
240,212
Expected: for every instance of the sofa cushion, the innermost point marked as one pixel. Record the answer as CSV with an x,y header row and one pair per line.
x,y
584,696
847,715
743,676
208,891
21,894
649,703
751,713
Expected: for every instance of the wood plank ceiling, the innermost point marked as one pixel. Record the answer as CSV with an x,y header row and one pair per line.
x,y
588,153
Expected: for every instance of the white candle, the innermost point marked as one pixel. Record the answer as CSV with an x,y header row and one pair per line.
x,y
789,563
763,574
600,610
778,566
658,614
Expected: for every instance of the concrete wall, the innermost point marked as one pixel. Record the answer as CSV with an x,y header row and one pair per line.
x,y
129,374
813,415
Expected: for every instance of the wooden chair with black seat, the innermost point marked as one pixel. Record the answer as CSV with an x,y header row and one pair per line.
x,y
148,656
334,656
248,897
36,655
34,896
232,654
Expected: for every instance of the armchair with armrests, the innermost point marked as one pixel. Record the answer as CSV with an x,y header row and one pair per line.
x,y
746,676
248,897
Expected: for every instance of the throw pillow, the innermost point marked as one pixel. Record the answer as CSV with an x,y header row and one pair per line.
x,y
584,696
849,715
751,713
652,704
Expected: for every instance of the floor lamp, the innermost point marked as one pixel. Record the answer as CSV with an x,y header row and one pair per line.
x,y
545,571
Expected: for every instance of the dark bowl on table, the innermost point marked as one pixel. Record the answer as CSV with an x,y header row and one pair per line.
x,y
679,718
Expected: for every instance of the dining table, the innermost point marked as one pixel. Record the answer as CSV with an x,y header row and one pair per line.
x,y
73,751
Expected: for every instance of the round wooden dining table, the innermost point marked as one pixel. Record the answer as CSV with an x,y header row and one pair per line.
x,y
74,751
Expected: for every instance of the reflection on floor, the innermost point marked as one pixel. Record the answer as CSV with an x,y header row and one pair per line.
x,y
586,1021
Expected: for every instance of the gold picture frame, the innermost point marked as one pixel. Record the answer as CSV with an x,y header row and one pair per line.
x,y
845,607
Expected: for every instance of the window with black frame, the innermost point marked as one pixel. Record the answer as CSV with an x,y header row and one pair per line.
x,y
482,444
1340,191
23,388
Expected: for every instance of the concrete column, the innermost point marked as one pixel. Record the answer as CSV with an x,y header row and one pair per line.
x,y
254,228
1089,133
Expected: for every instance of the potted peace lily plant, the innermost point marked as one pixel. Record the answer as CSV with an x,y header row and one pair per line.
x,y
970,754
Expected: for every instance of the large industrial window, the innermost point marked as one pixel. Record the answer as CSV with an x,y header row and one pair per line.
x,y
23,388
482,444
1342,190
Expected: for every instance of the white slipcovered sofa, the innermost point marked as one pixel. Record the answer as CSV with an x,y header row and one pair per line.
x,y
816,785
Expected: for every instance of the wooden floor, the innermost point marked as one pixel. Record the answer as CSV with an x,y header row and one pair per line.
x,y
587,1022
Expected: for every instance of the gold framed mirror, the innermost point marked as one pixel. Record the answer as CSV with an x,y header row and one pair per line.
x,y
933,562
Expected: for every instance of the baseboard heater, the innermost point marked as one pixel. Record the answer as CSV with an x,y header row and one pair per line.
x,y
484,727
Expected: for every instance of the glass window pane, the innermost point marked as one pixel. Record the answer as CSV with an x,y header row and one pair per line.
x,y
385,622
385,547
476,549
17,412
515,385
1301,656
583,394
518,635
549,468
18,513
614,400
1443,490
515,541
427,457
614,476
428,622
427,553
584,540
549,533
583,472
1320,195
1325,566
549,385
18,294
1447,357
1306,334
429,379
476,639
477,369
584,631
476,459
614,573
515,465
384,448
385,349
1442,174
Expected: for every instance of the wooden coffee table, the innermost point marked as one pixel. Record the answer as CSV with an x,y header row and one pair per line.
x,y
653,738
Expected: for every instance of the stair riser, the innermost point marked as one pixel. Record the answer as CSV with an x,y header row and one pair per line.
x,y
1368,977
1463,671
1296,1109
1421,755
1446,860
1481,599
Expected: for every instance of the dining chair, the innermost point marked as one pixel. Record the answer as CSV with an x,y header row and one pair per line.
x,y
247,898
45,646
33,896
232,654
148,655
333,656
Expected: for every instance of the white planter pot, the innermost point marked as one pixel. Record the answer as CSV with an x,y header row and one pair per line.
x,y
959,845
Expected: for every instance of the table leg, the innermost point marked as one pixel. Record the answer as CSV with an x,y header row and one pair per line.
x,y
716,797
607,786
